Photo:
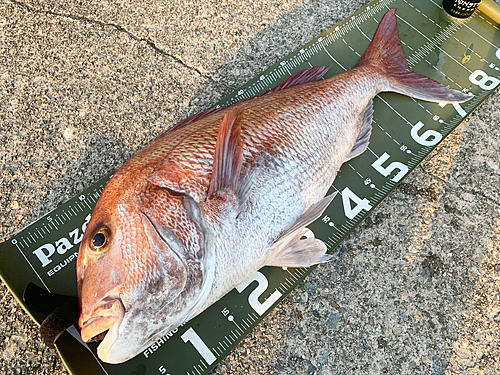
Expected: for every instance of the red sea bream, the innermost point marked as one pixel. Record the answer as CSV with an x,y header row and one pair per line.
x,y
226,192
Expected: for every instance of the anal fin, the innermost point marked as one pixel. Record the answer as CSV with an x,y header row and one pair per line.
x,y
298,247
364,135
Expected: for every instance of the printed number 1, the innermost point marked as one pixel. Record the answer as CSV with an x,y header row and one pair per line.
x,y
199,345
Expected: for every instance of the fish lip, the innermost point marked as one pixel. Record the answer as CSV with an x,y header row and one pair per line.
x,y
105,318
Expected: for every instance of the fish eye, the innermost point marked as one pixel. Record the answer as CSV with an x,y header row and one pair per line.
x,y
100,239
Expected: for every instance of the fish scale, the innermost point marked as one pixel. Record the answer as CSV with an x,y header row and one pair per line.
x,y
405,131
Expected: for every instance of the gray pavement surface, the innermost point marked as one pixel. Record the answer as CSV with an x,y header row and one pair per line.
x,y
85,84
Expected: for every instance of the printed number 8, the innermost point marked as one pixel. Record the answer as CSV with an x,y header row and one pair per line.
x,y
485,82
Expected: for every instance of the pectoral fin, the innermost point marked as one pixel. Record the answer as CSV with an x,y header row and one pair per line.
x,y
297,247
222,195
228,156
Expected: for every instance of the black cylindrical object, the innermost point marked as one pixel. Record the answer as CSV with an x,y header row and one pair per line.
x,y
460,8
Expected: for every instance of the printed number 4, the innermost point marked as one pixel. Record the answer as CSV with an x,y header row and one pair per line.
x,y
348,196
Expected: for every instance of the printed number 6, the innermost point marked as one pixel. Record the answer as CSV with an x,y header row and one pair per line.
x,y
253,298
428,138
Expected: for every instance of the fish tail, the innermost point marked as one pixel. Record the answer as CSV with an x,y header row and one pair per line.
x,y
386,52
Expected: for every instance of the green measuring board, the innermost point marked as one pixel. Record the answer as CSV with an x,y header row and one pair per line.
x,y
464,54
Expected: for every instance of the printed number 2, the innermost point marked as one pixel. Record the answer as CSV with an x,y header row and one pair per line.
x,y
199,345
253,298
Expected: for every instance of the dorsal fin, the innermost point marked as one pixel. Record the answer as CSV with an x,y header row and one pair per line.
x,y
193,118
228,156
307,75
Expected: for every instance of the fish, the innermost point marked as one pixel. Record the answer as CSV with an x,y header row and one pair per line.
x,y
227,191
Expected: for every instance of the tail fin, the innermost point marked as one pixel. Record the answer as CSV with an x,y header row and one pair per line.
x,y
386,51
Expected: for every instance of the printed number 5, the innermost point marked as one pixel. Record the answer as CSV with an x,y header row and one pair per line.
x,y
386,171
253,298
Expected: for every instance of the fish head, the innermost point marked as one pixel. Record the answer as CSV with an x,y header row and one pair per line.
x,y
137,277
101,275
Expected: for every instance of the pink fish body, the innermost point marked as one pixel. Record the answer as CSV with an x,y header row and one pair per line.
x,y
223,193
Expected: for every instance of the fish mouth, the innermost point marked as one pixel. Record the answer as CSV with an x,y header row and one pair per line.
x,y
103,323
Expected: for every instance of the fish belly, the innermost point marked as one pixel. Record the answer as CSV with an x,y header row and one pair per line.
x,y
284,183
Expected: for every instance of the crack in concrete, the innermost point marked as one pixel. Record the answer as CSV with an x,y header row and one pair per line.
x,y
149,42
475,192
157,49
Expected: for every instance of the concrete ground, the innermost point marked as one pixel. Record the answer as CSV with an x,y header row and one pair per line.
x,y
85,84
